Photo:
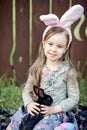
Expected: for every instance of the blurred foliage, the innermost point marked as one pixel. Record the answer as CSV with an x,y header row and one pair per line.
x,y
10,94
82,79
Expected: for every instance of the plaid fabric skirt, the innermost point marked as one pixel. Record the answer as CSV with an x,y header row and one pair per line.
x,y
61,121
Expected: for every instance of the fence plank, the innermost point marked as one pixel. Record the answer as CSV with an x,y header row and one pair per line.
x,y
22,39
5,36
80,47
39,8
59,7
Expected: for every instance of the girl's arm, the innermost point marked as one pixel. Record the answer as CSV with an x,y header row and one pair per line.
x,y
72,92
26,90
31,106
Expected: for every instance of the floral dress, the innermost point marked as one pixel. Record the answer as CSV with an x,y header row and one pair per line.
x,y
58,86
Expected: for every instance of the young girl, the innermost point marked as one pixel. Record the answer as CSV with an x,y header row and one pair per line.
x,y
54,72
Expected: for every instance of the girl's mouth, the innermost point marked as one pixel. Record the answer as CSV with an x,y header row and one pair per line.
x,y
52,54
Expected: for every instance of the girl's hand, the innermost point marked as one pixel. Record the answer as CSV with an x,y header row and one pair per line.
x,y
46,110
33,108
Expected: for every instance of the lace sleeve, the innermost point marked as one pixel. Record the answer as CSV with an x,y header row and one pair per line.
x,y
72,92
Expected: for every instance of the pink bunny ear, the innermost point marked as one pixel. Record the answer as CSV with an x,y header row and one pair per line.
x,y
49,19
72,15
69,17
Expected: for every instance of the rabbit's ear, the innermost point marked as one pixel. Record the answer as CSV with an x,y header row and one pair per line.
x,y
49,19
36,89
41,92
72,15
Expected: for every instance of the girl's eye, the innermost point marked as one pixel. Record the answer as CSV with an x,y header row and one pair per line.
x,y
50,44
59,46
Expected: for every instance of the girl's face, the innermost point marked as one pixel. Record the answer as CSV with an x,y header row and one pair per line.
x,y
55,47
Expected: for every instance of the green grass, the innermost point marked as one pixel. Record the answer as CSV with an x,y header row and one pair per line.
x,y
82,79
83,91
11,95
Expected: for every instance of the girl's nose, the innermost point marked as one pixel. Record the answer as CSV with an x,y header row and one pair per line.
x,y
54,48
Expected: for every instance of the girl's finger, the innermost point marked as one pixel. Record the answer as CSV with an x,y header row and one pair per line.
x,y
36,104
37,108
31,113
43,112
35,111
43,107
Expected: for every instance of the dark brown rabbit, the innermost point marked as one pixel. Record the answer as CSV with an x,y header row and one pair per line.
x,y
30,121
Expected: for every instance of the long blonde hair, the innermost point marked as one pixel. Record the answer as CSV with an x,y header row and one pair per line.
x,y
36,69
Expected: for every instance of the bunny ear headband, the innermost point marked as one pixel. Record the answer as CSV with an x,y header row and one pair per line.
x,y
69,17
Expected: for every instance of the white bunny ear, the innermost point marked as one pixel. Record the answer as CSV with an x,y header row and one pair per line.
x,y
49,19
71,15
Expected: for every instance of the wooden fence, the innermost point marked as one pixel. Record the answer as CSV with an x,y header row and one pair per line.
x,y
21,31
